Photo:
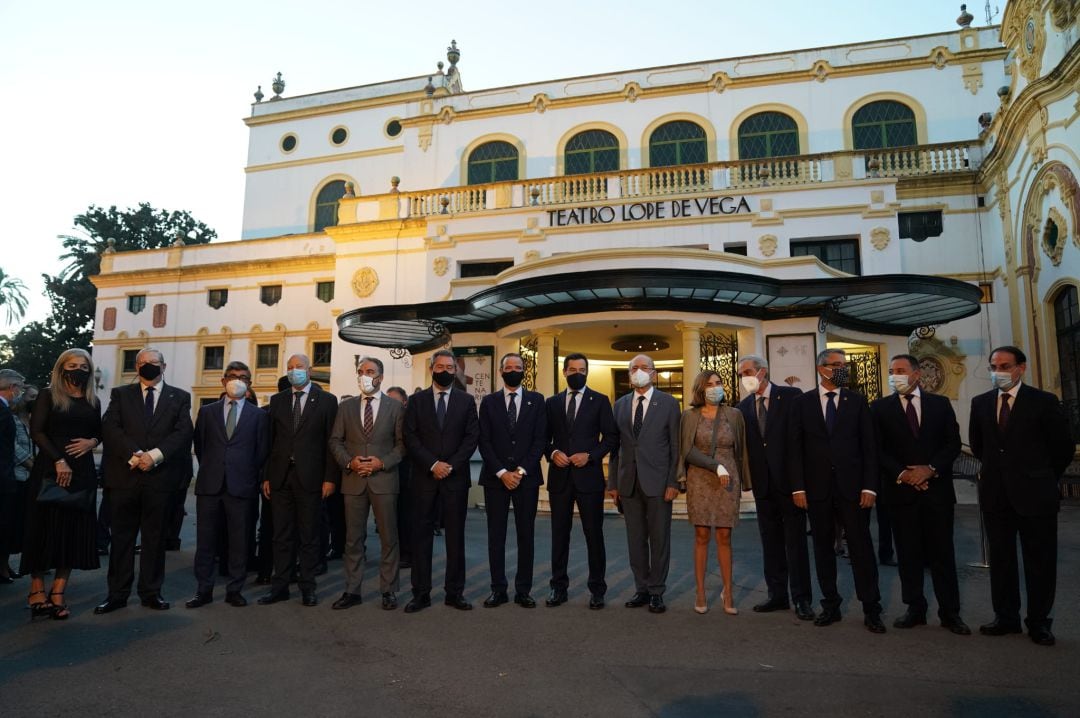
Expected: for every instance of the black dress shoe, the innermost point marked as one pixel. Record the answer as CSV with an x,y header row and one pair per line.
x,y
173,545
656,604
1041,636
596,602
308,598
804,611
873,623
110,605
556,598
773,604
321,568
334,555
155,602
404,564
827,617
956,625
235,599
273,597
998,627
459,603
4,580
497,598
199,600
389,601
910,620
638,600
418,603
525,600
347,600
890,561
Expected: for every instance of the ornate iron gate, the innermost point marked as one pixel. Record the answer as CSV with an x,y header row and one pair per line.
x,y
719,353
528,349
865,373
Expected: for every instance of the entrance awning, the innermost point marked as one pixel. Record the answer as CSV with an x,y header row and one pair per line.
x,y
882,304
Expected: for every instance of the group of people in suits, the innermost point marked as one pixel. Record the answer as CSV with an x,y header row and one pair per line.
x,y
823,457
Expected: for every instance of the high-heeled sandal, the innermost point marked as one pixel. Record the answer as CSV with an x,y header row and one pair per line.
x,y
60,611
730,610
702,608
38,608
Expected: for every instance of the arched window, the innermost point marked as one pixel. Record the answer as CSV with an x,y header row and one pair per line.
x,y
677,143
1067,324
326,204
881,124
591,151
768,134
493,162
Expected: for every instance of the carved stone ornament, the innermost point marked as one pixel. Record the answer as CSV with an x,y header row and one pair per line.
x,y
1054,236
767,243
879,238
942,365
532,255
441,265
364,282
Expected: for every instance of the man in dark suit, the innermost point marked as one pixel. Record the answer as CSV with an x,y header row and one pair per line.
x,y
147,431
232,441
367,444
441,433
299,475
918,440
1021,434
513,427
643,475
11,388
580,433
782,525
834,475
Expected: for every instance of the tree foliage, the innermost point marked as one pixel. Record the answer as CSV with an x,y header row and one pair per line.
x,y
34,349
12,296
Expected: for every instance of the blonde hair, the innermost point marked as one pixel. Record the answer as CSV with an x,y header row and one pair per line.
x,y
60,398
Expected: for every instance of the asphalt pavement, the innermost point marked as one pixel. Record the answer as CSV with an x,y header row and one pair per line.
x,y
289,660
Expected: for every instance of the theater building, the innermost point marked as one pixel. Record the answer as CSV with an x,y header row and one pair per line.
x,y
908,194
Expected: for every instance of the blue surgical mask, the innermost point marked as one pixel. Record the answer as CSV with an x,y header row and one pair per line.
x,y
1002,380
298,377
714,395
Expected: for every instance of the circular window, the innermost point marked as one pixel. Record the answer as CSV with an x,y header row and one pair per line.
x,y
393,128
288,143
339,135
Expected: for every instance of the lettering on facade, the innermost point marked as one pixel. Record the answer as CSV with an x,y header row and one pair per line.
x,y
645,211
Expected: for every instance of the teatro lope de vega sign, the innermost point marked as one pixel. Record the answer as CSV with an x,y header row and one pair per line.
x,y
638,211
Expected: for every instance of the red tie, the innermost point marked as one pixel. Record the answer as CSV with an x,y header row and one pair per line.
x,y
912,417
1003,415
369,418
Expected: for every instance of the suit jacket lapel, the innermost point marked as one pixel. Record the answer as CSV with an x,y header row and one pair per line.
x,y
307,406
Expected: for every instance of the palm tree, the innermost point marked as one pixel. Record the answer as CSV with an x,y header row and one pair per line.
x,y
12,297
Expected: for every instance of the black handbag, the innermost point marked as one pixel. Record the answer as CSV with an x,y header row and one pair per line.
x,y
55,494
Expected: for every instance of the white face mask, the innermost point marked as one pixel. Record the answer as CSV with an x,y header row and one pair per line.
x,y
750,384
235,389
899,382
1002,380
640,379
367,384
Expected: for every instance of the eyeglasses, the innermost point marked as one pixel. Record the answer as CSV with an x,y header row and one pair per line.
x,y
242,377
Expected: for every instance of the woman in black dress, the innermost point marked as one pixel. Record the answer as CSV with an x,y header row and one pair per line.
x,y
66,426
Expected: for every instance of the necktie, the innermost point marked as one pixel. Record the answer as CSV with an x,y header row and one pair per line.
x,y
1003,415
369,417
511,411
230,423
830,411
912,417
149,403
639,415
440,409
571,411
296,409
762,414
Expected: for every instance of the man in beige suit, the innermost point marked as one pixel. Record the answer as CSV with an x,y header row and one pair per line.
x,y
367,444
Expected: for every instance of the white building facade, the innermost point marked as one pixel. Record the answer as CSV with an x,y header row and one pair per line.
x,y
914,194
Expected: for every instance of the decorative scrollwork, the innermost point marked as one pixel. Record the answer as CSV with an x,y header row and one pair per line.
x,y
529,349
832,308
720,353
398,352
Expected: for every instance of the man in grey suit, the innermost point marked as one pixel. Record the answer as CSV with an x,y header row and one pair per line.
x,y
367,444
642,476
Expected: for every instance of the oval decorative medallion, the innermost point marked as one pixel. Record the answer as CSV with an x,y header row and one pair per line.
x,y
364,282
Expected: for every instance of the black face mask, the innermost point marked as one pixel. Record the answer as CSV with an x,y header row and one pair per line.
x,y
76,377
576,382
150,371
513,379
443,378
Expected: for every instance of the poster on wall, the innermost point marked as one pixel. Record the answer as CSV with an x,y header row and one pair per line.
x,y
475,372
792,360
